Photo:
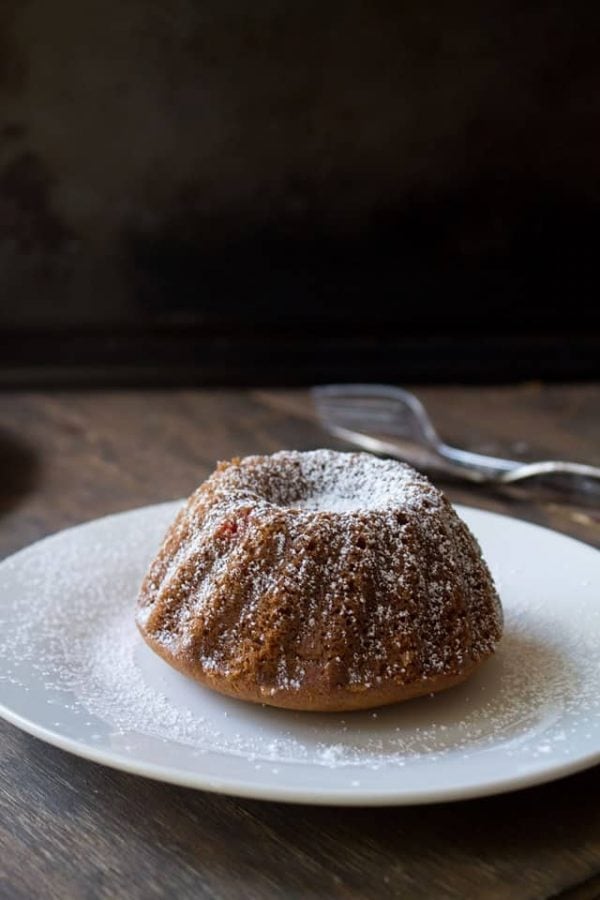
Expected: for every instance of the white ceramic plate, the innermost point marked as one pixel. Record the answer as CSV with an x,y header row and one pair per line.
x,y
74,672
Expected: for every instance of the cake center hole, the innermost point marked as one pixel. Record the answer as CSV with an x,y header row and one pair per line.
x,y
335,501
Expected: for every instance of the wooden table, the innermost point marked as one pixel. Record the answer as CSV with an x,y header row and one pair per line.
x,y
73,829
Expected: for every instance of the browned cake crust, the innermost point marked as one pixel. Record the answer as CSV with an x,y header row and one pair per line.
x,y
320,581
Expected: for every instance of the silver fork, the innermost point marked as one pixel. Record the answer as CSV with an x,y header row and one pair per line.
x,y
393,422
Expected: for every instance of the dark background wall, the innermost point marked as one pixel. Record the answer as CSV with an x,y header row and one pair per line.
x,y
280,191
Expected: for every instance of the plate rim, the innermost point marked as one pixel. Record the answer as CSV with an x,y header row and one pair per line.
x,y
240,787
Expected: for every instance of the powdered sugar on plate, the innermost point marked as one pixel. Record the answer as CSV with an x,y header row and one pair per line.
x,y
72,661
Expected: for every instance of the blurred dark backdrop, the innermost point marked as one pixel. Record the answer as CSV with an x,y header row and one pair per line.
x,y
237,192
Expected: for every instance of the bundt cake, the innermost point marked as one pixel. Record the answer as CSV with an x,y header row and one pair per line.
x,y
320,581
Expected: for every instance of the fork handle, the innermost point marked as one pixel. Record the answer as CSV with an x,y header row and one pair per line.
x,y
486,466
510,471
550,467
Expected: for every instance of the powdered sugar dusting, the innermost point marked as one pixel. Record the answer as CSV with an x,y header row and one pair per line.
x,y
320,570
67,638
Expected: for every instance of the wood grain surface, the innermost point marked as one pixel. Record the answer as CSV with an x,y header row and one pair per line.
x,y
73,829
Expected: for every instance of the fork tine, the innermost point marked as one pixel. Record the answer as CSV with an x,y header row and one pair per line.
x,y
353,404
367,406
356,415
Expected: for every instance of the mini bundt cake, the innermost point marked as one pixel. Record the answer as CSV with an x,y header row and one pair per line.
x,y
320,581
